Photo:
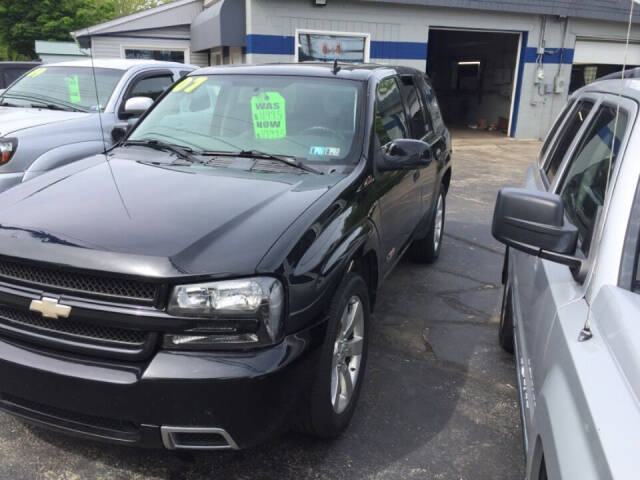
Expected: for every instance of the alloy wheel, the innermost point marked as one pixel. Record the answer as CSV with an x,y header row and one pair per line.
x,y
347,355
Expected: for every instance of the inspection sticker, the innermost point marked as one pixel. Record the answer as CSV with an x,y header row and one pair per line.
x,y
325,151
269,113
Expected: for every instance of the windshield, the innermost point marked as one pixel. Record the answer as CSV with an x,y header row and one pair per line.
x,y
312,119
67,88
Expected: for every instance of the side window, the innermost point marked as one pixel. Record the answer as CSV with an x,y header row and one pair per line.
x,y
415,110
432,104
566,137
554,128
151,87
390,122
584,186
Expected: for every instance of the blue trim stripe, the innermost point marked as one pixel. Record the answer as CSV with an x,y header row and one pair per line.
x,y
516,97
285,45
399,50
271,44
551,55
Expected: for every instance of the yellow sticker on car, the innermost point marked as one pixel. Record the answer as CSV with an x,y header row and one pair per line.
x,y
36,72
269,113
189,84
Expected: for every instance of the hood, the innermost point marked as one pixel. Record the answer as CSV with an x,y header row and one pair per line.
x,y
13,119
154,219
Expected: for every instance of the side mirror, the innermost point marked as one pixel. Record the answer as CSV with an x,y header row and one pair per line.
x,y
405,153
533,222
136,106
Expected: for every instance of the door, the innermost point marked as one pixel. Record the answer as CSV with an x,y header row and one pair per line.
x,y
399,197
420,129
578,170
436,131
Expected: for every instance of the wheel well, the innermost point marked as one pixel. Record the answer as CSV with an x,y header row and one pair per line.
x,y
446,180
367,266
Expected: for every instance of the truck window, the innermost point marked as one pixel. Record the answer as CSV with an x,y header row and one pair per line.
x,y
554,129
391,121
571,128
415,110
151,87
583,187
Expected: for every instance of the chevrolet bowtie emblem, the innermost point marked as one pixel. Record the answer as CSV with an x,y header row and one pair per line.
x,y
50,308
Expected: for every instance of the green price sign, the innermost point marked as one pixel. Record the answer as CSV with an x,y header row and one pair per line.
x,y
269,113
74,89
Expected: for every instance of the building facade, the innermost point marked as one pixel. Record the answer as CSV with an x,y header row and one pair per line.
x,y
507,64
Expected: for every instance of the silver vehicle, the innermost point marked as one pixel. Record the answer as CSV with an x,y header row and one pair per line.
x,y
49,117
571,308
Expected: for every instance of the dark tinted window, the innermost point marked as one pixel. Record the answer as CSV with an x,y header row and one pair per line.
x,y
584,185
10,75
566,137
432,104
391,122
554,128
151,87
415,109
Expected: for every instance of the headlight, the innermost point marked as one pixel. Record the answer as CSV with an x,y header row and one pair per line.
x,y
7,148
233,313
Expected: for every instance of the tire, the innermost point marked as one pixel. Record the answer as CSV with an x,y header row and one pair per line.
x,y
427,249
329,407
505,331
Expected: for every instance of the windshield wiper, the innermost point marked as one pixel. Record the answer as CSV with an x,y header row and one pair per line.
x,y
45,102
291,161
186,153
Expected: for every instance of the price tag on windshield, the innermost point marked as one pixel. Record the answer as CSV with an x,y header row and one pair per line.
x,y
36,72
73,85
269,113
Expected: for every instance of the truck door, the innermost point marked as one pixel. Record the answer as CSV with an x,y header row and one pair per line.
x,y
399,197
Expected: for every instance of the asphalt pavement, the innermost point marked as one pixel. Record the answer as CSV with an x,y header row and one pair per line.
x,y
439,399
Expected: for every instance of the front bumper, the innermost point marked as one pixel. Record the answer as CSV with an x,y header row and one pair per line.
x,y
249,396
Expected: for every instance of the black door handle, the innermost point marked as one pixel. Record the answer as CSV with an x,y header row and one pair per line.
x,y
416,175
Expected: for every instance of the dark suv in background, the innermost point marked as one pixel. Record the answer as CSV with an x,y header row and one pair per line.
x,y
11,71
208,282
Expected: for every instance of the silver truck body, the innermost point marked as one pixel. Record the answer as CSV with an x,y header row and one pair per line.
x,y
580,396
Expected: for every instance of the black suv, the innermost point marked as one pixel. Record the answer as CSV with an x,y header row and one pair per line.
x,y
11,71
209,281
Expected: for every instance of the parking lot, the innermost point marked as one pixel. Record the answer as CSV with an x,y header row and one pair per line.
x,y
439,399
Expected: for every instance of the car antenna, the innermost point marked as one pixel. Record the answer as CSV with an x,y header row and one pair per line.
x,y
336,67
104,140
586,333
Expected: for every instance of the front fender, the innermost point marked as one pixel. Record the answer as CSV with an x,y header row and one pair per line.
x,y
62,155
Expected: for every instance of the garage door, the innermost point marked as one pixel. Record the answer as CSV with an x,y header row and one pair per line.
x,y
605,53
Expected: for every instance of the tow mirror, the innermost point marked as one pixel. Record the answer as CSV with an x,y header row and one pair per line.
x,y
136,106
405,153
533,222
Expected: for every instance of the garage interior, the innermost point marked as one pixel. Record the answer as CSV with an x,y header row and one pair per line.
x,y
473,74
594,59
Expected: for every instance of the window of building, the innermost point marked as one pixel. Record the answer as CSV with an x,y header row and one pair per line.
x,y
330,46
584,186
391,121
151,54
571,128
